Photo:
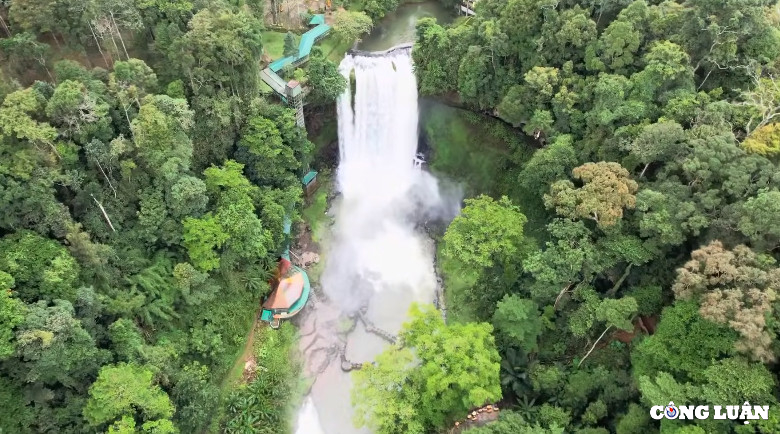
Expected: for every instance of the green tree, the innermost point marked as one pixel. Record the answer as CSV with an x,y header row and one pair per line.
x,y
548,165
510,422
486,231
290,45
194,395
435,73
131,81
618,45
12,312
635,421
126,390
684,344
757,218
657,142
203,237
436,373
349,26
484,244
668,214
42,269
160,134
233,231
472,86
325,79
520,320
52,347
221,49
126,340
268,159
79,114
16,120
607,190
734,287
377,9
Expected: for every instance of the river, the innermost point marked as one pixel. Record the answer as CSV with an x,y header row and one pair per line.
x,y
398,27
376,257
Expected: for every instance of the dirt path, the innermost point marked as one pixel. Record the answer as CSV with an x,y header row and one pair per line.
x,y
238,371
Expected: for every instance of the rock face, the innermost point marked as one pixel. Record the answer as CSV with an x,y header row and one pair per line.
x,y
478,417
250,370
309,258
321,343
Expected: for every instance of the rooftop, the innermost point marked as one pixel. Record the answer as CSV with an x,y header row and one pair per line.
x,y
309,177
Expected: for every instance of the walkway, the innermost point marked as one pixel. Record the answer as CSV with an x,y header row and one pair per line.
x,y
269,74
467,7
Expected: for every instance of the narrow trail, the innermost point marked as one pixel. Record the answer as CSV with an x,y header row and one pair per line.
x,y
246,353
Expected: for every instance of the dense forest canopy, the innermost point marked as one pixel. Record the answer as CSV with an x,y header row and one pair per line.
x,y
143,188
627,261
655,278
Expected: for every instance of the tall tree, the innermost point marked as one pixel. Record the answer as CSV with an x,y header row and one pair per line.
x,y
290,45
350,25
422,383
734,287
160,133
325,79
125,390
482,252
53,348
80,114
12,312
233,233
42,269
221,51
607,190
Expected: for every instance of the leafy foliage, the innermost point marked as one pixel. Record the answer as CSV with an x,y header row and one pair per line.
x,y
122,390
652,130
125,212
436,373
263,405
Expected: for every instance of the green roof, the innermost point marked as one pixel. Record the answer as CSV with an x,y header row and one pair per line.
x,y
298,305
317,19
308,39
309,177
268,315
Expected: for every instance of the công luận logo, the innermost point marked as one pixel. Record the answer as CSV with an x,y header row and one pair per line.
x,y
744,412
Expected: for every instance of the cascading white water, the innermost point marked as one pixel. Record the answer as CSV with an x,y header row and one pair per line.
x,y
376,256
308,421
382,190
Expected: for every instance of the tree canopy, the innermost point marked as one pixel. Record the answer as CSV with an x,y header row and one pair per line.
x,y
647,179
435,373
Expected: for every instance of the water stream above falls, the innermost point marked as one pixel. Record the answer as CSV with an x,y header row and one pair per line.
x,y
398,27
376,258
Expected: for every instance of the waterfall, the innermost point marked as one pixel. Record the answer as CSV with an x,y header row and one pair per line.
x,y
384,191
376,257
308,421
378,138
